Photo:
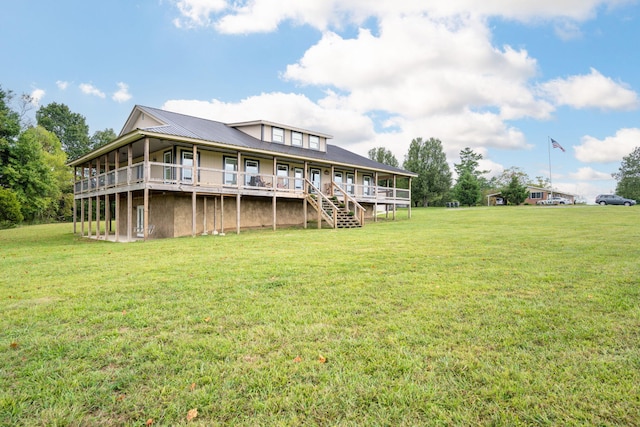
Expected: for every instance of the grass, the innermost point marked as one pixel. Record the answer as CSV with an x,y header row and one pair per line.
x,y
484,316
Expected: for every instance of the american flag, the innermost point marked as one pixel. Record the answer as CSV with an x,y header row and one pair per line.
x,y
557,145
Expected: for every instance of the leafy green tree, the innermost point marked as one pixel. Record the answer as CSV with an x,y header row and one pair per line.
x,y
10,213
628,176
467,189
515,192
102,137
31,177
70,128
9,130
427,159
382,155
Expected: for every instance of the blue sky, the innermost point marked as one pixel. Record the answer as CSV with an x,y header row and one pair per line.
x,y
500,77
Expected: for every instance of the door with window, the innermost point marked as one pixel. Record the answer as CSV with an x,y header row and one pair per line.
x,y
187,166
350,181
299,175
230,171
283,172
140,221
167,159
251,169
315,179
366,186
337,178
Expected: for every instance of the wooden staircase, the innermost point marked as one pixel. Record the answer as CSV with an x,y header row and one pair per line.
x,y
344,219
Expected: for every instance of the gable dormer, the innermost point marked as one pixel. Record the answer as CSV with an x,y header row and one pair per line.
x,y
140,118
282,134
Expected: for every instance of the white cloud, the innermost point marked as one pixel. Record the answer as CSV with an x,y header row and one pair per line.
x,y
122,94
89,89
591,91
62,85
36,96
610,149
233,16
590,174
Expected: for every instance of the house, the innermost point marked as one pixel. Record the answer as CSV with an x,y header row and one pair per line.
x,y
171,175
537,196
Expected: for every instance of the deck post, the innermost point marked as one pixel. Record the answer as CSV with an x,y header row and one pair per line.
x,y
409,197
204,217
194,200
305,189
275,188
238,214
98,198
375,202
82,215
129,195
147,170
221,214
395,195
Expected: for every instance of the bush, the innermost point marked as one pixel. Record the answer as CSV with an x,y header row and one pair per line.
x,y
10,210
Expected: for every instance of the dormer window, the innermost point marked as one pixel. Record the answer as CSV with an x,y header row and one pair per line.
x,y
277,135
314,142
296,139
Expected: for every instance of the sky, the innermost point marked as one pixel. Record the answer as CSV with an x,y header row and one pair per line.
x,y
502,77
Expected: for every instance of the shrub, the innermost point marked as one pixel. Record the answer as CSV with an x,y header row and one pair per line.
x,y
10,213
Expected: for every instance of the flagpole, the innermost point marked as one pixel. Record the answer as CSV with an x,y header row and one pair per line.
x,y
549,149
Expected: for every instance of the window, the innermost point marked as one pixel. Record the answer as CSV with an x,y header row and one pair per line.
x,y
282,171
367,185
337,178
315,179
230,169
350,179
167,159
187,164
314,142
296,139
277,135
251,169
299,174
536,195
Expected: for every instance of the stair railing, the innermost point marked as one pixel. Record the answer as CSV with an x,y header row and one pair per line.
x,y
318,204
358,209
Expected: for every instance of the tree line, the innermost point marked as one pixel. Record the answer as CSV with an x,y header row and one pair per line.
x,y
36,185
434,184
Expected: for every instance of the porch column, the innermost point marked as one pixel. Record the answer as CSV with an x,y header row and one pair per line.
x,y
375,200
194,167
82,215
409,197
147,168
305,189
98,198
107,206
129,195
275,187
74,216
116,164
240,180
395,195
90,204
75,181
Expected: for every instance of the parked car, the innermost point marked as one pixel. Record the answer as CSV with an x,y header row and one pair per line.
x,y
554,201
613,199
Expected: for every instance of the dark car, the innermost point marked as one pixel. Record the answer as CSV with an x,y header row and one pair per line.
x,y
612,199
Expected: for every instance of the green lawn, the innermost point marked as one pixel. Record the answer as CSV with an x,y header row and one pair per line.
x,y
484,316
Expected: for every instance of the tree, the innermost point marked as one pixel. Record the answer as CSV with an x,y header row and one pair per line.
x,y
515,191
10,214
427,159
31,175
70,128
628,176
102,137
9,130
467,189
382,155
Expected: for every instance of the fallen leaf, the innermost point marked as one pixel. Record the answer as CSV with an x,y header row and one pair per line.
x,y
13,345
120,398
124,312
298,359
192,414
322,359
206,319
149,422
192,387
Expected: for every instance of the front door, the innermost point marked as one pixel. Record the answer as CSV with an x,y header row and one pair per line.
x,y
140,221
315,179
187,165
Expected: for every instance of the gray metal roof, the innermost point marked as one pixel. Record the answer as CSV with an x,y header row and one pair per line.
x,y
180,125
